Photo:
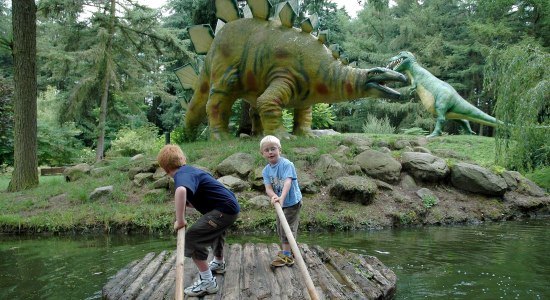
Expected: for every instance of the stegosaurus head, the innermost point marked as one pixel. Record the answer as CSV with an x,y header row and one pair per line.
x,y
401,61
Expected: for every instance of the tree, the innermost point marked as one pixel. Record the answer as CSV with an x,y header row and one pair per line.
x,y
25,173
519,79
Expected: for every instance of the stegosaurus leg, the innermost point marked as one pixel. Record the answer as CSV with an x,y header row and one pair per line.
x,y
218,109
302,122
257,128
270,107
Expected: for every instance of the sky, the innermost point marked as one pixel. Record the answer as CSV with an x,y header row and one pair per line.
x,y
351,6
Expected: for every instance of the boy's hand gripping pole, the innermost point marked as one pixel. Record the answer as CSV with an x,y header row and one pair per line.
x,y
298,256
179,263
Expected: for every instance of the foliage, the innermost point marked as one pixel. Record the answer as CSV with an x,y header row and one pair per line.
x,y
6,122
519,79
414,131
541,177
57,143
429,200
129,142
375,125
322,116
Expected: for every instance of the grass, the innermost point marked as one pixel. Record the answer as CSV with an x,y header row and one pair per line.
x,y
58,206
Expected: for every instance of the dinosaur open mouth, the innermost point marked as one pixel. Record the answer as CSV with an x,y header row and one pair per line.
x,y
394,63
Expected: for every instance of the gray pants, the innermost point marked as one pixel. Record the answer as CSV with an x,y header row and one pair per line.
x,y
209,230
292,215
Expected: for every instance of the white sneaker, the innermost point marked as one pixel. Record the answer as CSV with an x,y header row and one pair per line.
x,y
218,268
202,287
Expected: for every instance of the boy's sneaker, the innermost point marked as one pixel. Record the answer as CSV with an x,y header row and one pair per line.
x,y
218,268
202,287
282,260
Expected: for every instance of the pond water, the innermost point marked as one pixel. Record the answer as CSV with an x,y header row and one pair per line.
x,y
508,260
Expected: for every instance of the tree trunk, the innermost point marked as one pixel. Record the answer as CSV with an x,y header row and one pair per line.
x,y
25,172
105,89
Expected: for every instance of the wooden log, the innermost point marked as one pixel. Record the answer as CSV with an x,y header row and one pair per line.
x,y
115,280
134,289
287,278
154,283
220,278
325,281
234,273
117,292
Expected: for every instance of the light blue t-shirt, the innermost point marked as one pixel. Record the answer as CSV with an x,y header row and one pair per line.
x,y
276,176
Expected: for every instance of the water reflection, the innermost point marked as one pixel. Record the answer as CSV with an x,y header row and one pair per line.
x,y
494,261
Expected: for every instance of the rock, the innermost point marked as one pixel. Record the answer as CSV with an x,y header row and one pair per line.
x,y
448,153
98,172
401,144
407,181
159,173
260,201
306,183
240,164
142,178
353,189
137,157
76,172
321,132
421,149
519,183
385,150
162,183
233,183
379,165
424,192
476,179
424,166
256,179
100,193
328,168
359,143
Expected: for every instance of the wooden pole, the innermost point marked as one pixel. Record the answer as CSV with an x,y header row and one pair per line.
x,y
179,263
297,254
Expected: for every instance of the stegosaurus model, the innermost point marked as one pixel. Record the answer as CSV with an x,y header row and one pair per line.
x,y
439,97
272,66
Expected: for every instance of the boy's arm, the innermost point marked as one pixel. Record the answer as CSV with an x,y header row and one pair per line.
x,y
269,191
180,198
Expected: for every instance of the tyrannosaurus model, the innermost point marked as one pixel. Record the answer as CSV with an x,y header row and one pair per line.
x,y
438,97
272,66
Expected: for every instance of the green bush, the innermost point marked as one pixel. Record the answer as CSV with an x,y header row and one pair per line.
x,y
380,126
322,116
129,142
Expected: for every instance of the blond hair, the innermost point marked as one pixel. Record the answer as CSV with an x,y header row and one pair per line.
x,y
269,139
171,157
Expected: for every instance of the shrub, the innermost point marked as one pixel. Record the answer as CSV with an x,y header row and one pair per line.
x,y
129,142
429,200
380,126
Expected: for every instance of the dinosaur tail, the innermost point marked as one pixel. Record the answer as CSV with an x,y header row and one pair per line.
x,y
467,111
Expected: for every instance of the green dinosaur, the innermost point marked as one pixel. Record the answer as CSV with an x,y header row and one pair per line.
x,y
273,66
438,97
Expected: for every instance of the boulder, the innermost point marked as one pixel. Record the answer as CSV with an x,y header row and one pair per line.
x,y
142,178
379,165
240,164
328,168
76,172
424,166
101,193
476,179
354,189
233,183
260,201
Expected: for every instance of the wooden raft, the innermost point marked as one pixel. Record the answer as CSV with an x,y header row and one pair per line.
x,y
335,274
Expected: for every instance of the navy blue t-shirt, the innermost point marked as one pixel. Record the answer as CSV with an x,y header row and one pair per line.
x,y
204,192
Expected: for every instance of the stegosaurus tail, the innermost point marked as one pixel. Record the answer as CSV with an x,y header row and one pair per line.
x,y
202,36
